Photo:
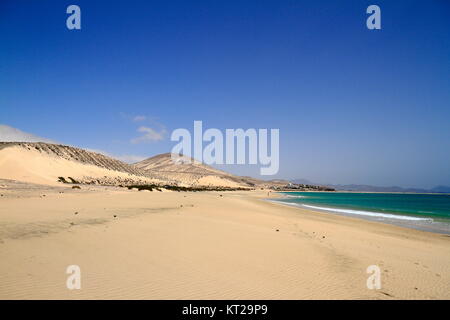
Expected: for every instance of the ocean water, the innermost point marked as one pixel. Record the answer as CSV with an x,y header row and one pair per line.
x,y
430,212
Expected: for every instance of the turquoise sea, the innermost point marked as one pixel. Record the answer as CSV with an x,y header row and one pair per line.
x,y
430,212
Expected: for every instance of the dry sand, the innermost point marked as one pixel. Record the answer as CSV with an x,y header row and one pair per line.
x,y
178,245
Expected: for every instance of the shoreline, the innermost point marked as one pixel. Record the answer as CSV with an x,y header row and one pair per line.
x,y
209,245
377,192
365,218
425,223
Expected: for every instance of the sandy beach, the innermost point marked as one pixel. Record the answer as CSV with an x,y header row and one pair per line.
x,y
204,245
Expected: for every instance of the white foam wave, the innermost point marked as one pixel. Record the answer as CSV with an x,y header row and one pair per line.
x,y
369,213
295,197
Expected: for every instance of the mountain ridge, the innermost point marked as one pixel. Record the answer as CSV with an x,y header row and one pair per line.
x,y
371,188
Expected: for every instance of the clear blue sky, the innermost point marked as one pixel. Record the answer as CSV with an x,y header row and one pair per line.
x,y
352,105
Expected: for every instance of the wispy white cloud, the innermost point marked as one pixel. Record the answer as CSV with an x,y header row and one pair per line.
x,y
10,134
153,131
139,118
149,135
135,117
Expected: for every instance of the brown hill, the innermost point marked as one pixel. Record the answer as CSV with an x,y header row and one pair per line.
x,y
192,173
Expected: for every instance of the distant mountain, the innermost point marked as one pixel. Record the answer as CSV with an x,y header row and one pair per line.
x,y
303,181
369,188
441,189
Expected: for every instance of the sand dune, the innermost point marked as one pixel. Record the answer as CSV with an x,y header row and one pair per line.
x,y
43,163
